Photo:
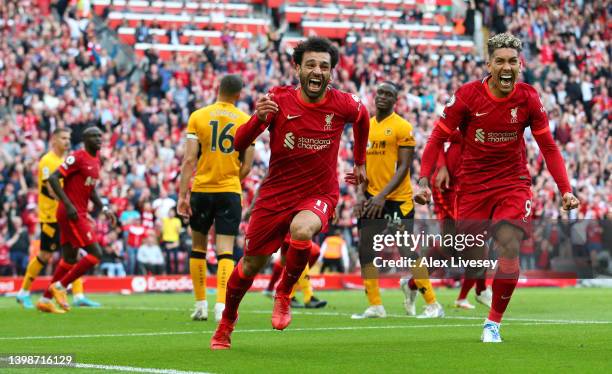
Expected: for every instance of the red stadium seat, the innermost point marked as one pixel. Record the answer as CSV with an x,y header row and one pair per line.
x,y
253,25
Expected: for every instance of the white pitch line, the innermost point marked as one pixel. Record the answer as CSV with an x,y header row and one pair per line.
x,y
323,313
85,336
132,369
331,328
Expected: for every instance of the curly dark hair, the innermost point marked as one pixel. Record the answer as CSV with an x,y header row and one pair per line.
x,y
505,40
315,44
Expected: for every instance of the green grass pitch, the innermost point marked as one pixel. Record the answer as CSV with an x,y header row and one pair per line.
x,y
545,330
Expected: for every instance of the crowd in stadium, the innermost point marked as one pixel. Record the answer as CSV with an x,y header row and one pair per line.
x,y
54,73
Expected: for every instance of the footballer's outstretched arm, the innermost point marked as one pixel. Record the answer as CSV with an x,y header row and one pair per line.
x,y
54,182
540,129
361,130
556,167
259,122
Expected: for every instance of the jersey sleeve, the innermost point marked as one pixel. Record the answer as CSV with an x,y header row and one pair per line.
x,y
244,118
247,133
405,138
361,130
71,165
192,132
455,112
538,120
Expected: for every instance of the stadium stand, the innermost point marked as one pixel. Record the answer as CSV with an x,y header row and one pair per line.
x,y
55,72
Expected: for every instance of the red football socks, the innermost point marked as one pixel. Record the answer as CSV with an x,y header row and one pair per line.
x,y
79,269
466,286
295,263
312,259
504,284
481,284
412,285
237,285
62,269
277,270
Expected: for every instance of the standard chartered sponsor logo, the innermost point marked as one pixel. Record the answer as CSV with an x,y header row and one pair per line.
x,y
306,143
289,140
502,137
480,135
495,137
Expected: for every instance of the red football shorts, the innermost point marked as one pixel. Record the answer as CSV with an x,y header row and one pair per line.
x,y
268,228
444,204
484,210
79,233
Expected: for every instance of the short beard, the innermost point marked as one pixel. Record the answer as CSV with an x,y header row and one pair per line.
x,y
304,83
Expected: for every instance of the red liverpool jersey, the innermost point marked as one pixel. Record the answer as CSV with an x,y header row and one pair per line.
x,y
493,153
304,142
81,172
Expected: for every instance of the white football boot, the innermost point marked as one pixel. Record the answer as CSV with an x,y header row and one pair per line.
x,y
373,311
464,304
219,308
201,311
490,333
434,310
485,297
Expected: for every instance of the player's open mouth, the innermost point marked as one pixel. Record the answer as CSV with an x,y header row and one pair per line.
x,y
505,80
314,84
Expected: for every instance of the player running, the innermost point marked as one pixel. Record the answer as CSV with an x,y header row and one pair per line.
x,y
49,230
301,190
80,172
494,183
216,192
386,199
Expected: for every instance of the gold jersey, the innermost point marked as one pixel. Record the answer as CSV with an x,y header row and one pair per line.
x,y
47,205
384,140
218,167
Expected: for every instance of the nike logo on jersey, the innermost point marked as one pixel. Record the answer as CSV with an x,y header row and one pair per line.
x,y
477,114
290,117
